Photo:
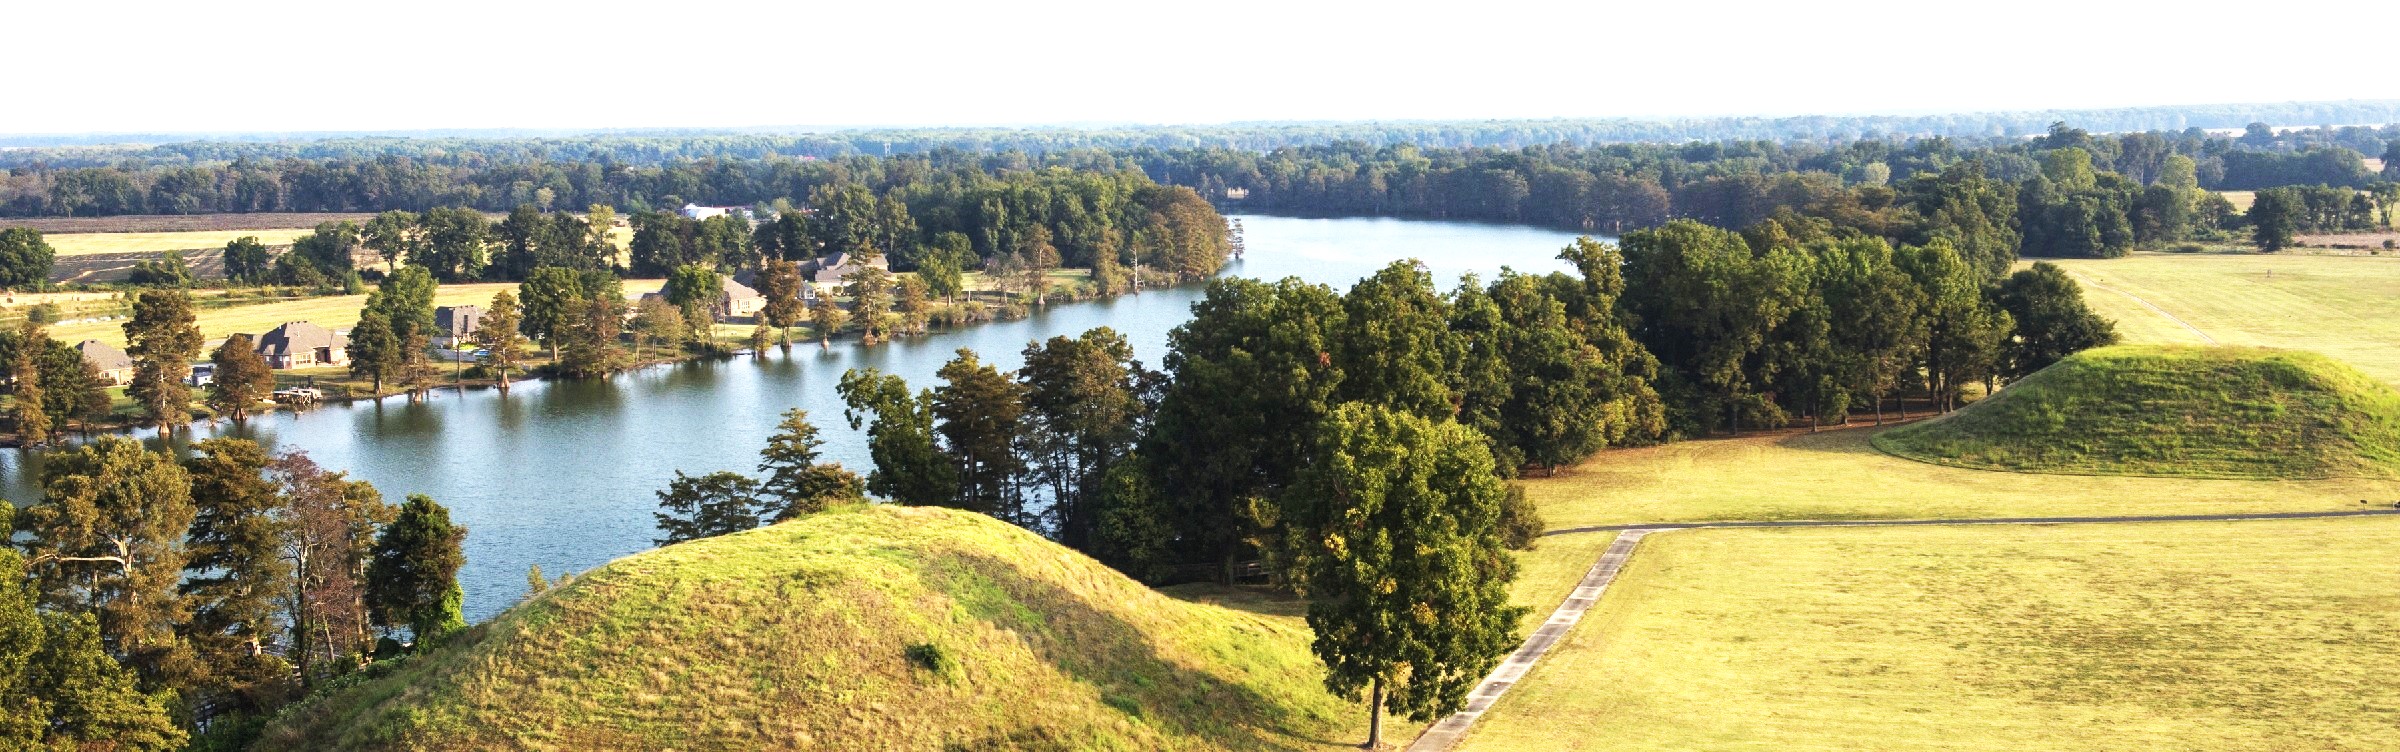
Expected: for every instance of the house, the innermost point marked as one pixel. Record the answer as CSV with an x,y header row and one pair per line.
x,y
830,269
299,344
203,374
738,301
453,325
114,365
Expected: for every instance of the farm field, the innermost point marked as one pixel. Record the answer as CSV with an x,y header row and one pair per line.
x,y
81,244
1839,475
181,222
332,312
2342,306
2220,636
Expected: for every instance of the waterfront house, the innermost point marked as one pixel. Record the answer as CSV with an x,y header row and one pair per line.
x,y
454,325
299,344
116,368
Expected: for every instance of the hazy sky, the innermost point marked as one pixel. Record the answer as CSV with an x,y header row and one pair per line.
x,y
251,65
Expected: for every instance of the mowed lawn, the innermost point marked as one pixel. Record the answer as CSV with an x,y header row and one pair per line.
x,y
334,312
2219,636
87,243
2347,307
1838,475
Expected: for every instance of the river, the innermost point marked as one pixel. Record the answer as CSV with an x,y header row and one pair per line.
x,y
562,474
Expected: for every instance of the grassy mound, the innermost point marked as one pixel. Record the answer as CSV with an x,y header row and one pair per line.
x,y
2186,411
866,628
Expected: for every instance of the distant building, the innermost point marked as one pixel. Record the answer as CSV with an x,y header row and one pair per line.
x,y
300,344
696,211
115,366
203,374
454,325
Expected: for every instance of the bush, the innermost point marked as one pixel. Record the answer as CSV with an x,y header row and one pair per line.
x,y
2187,248
1520,523
930,657
43,313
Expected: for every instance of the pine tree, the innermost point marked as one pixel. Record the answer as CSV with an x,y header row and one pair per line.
x,y
706,506
795,484
32,419
164,340
909,466
412,577
980,408
780,282
108,539
236,578
374,349
242,378
1394,532
89,700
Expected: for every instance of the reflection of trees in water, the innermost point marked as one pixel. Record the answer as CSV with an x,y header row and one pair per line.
x,y
400,418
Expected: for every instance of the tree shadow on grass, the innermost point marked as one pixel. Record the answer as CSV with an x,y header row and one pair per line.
x,y
1119,661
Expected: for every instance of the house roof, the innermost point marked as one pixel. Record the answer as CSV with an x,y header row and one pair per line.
x,y
298,336
457,321
737,291
103,356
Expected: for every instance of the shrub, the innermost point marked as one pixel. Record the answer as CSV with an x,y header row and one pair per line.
x,y
1520,523
2186,248
930,657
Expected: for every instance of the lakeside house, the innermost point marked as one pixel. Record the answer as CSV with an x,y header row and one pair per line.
x,y
299,344
830,269
114,365
738,301
453,325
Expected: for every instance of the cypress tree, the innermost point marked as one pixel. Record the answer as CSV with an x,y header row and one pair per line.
x,y
235,577
412,577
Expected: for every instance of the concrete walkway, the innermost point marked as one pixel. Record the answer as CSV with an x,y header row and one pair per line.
x,y
1447,731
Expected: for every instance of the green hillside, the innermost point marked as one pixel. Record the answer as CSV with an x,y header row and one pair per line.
x,y
867,628
2186,411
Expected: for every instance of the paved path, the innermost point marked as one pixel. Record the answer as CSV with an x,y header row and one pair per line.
x,y
1447,732
2147,304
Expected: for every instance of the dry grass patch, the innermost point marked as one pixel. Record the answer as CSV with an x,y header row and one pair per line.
x,y
84,244
2219,636
332,312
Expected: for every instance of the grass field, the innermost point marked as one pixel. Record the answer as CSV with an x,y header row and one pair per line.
x,y
2241,200
180,222
2342,306
2174,410
333,312
84,244
2217,636
1839,475
866,628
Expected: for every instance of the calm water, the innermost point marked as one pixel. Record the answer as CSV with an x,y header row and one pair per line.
x,y
562,474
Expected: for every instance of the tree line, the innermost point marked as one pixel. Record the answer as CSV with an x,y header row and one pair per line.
x,y
148,600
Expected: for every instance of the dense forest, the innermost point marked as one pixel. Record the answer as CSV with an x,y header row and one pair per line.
x,y
656,146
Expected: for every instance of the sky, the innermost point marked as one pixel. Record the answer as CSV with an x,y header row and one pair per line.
x,y
254,65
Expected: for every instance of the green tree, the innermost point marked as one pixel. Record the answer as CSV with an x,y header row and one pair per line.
x,y
83,699
1249,377
395,235
235,577
412,576
108,539
241,379
2051,319
909,467
1086,401
165,339
2275,215
1394,532
330,536
1705,304
870,297
327,249
25,259
454,244
656,322
591,339
980,409
503,347
695,289
795,483
1393,345
246,260
780,282
1877,311
706,506
553,298
1964,335
374,349
829,318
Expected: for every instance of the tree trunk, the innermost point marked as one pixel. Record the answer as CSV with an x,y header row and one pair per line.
x,y
1879,409
1375,718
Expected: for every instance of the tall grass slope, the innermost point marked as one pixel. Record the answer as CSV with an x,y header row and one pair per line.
x,y
864,628
2224,412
